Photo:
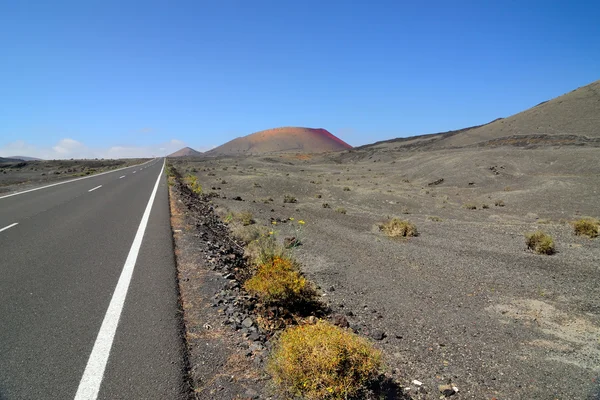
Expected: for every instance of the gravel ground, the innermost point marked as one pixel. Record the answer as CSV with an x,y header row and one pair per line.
x,y
464,302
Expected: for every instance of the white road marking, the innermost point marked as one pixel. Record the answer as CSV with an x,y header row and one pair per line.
x,y
8,227
134,172
62,183
97,187
121,177
89,386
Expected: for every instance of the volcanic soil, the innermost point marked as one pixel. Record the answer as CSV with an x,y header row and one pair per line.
x,y
464,301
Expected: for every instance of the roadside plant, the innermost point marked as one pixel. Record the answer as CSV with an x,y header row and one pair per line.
x,y
540,242
289,199
323,361
589,227
341,210
192,182
278,281
396,227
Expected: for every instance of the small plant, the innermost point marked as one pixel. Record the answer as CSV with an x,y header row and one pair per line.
x,y
499,203
323,361
470,206
289,199
325,205
193,184
485,206
540,242
245,217
340,210
434,218
318,196
396,227
587,226
223,182
346,189
507,189
278,281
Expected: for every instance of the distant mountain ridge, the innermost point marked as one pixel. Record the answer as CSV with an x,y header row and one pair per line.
x,y
570,119
279,140
24,158
186,152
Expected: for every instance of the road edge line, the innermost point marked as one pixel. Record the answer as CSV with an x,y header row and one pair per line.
x,y
89,386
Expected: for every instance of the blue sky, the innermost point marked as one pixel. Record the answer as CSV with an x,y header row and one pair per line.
x,y
117,78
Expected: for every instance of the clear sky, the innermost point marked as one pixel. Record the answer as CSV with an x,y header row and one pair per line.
x,y
120,78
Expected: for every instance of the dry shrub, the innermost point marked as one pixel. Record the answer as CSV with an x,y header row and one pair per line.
x,y
587,226
279,282
289,199
323,361
192,182
341,210
540,242
396,227
470,206
248,233
245,218
499,203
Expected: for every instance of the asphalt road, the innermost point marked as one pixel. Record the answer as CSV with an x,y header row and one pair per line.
x,y
88,292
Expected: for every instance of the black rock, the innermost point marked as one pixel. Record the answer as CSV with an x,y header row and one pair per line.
x,y
377,335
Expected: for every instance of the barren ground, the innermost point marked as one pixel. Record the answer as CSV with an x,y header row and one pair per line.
x,y
464,301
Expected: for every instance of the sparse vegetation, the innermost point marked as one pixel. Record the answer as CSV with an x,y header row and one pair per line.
x,y
193,184
248,234
346,189
326,205
470,206
289,199
434,218
245,218
499,203
341,210
485,206
396,227
278,281
540,242
323,361
589,227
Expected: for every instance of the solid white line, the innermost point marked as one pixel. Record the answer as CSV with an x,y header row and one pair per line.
x,y
89,386
97,187
8,227
121,177
63,182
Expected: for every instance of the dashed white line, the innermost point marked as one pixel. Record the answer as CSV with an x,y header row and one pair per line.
x,y
89,386
62,183
9,226
97,187
121,177
134,172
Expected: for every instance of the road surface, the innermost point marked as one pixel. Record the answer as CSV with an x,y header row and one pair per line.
x,y
88,292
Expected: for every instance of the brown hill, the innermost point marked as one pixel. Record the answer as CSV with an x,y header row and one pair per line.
x,y
185,152
290,139
571,119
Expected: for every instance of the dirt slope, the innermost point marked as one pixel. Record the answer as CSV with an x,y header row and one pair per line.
x,y
185,152
570,119
290,139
